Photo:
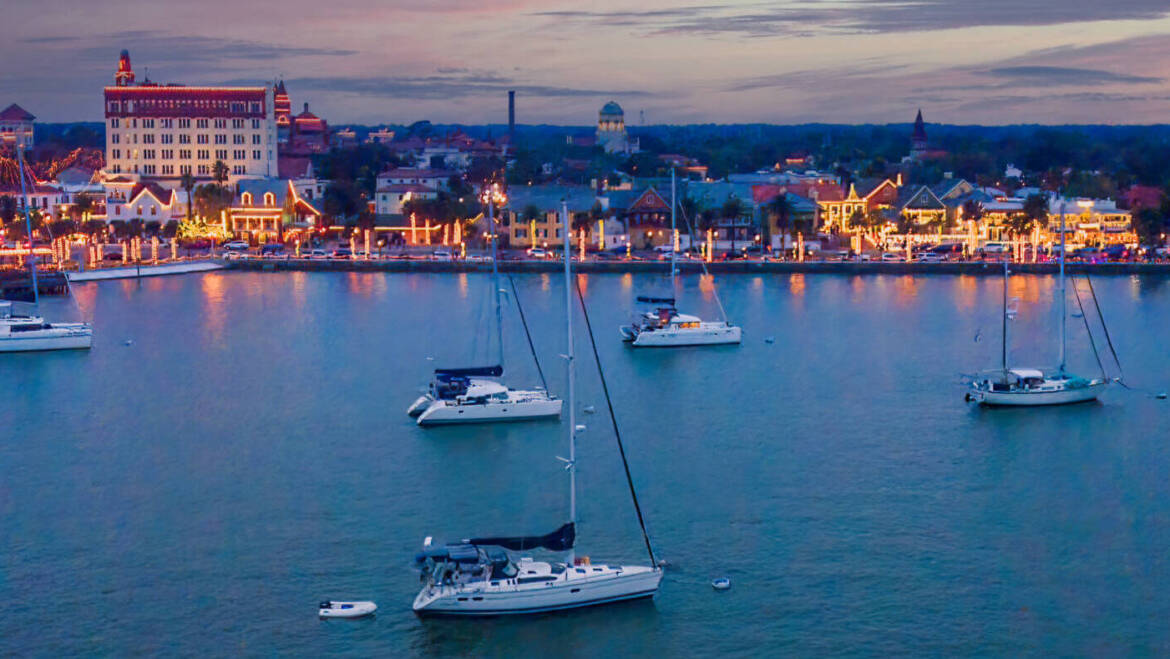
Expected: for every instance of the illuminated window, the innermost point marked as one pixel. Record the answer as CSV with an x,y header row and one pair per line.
x,y
269,199
246,198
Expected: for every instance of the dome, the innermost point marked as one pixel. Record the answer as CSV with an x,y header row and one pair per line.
x,y
612,108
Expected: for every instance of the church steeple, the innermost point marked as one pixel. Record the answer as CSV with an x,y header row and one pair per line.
x,y
918,141
125,75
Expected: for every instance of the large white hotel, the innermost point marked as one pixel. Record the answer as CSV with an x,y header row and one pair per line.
x,y
160,132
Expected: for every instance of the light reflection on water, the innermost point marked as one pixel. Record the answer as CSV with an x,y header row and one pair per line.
x,y
251,445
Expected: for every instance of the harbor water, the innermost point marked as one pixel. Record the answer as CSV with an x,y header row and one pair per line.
x,y
235,449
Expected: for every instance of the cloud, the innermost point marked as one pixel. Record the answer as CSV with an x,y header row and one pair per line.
x,y
1053,76
810,17
448,85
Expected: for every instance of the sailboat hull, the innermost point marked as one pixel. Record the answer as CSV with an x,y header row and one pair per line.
x,y
509,598
443,412
1038,398
58,337
705,334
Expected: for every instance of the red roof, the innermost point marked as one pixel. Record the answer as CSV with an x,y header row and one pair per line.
x,y
292,166
157,191
185,102
15,113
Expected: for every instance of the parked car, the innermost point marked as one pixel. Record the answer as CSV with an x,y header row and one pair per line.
x,y
1115,252
931,257
236,246
342,253
318,254
733,255
112,255
441,255
664,249
893,257
271,250
994,248
538,253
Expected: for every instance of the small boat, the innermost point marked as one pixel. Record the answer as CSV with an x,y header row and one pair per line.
x,y
331,609
722,583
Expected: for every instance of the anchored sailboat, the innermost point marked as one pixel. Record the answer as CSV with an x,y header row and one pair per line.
x,y
662,326
23,333
475,395
478,577
1015,386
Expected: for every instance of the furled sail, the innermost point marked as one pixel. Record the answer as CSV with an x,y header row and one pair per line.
x,y
560,540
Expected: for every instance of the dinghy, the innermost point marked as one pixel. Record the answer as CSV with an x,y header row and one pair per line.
x,y
331,609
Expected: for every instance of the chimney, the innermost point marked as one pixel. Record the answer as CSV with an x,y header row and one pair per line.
x,y
512,112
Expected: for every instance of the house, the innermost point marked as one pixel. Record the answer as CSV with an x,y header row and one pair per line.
x,y
48,198
265,209
533,215
645,213
921,206
16,126
389,198
128,200
437,179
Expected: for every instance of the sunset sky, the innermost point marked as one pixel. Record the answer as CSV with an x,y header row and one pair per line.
x,y
787,61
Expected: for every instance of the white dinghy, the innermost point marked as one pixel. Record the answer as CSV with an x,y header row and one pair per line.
x,y
332,609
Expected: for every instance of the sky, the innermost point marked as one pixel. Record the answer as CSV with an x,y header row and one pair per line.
x,y
714,61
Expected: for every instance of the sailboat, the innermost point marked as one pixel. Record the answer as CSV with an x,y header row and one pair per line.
x,y
662,326
24,332
478,576
475,394
1015,386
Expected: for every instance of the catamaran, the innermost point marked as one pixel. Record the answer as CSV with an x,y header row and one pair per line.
x,y
475,395
28,332
1014,386
662,326
478,576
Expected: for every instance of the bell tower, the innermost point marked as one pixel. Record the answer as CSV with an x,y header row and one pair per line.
x,y
125,75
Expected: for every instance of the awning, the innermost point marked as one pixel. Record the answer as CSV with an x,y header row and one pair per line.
x,y
560,540
481,371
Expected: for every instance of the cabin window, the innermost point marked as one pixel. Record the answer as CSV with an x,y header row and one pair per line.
x,y
535,579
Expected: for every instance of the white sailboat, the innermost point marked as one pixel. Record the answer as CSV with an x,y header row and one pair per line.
x,y
27,332
475,395
1019,387
478,576
662,326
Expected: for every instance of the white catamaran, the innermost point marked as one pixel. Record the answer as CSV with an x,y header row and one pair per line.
x,y
1014,386
478,577
26,332
475,395
663,326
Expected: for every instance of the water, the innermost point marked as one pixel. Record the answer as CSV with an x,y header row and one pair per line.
x,y
198,491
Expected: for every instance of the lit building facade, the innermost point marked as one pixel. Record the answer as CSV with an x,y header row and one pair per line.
x,y
16,126
611,130
161,132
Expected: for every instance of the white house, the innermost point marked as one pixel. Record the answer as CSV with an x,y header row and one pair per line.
x,y
389,198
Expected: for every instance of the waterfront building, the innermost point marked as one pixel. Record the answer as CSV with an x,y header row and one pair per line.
x,y
160,132
437,179
16,126
390,198
532,218
265,209
645,213
127,199
43,196
921,206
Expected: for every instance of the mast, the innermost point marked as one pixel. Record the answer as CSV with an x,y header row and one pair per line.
x,y
1005,316
673,206
1063,294
572,464
32,257
490,194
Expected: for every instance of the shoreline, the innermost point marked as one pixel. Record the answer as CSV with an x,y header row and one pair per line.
x,y
734,267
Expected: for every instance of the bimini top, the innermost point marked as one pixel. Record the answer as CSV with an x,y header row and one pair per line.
x,y
1027,373
468,551
481,371
656,300
484,388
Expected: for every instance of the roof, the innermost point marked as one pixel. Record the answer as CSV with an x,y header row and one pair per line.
x,y
580,198
154,189
407,187
402,172
15,113
612,108
294,166
919,197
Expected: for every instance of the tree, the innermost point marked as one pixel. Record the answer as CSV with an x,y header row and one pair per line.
x,y
781,209
972,210
342,200
170,229
211,200
1149,224
532,213
187,182
1036,208
7,209
152,228
219,172
732,209
82,205
1019,224
95,229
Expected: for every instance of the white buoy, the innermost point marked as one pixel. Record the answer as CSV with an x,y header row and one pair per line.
x,y
129,342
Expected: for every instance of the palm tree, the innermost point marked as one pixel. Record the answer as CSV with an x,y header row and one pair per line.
x,y
219,172
82,205
187,181
732,209
782,209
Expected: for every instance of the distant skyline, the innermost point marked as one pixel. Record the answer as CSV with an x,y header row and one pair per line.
x,y
449,61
